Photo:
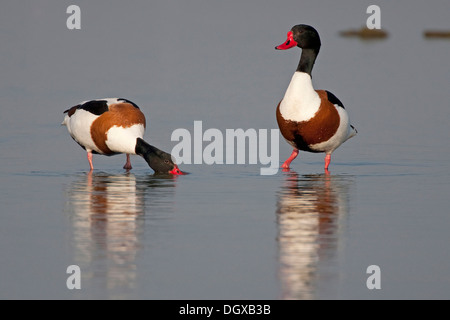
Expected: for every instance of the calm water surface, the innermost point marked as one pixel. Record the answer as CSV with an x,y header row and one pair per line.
x,y
223,231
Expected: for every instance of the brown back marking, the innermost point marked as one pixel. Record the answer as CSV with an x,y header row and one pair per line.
x,y
120,114
320,128
71,111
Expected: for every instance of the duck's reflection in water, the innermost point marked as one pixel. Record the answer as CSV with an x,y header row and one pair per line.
x,y
107,214
311,210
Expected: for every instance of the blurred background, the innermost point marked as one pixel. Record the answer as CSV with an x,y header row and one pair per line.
x,y
224,231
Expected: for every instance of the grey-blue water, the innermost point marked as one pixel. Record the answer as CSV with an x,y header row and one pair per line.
x,y
224,231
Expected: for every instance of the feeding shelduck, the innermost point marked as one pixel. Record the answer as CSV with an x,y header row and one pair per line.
x,y
310,120
112,126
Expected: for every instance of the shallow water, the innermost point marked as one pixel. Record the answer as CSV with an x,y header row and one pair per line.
x,y
223,231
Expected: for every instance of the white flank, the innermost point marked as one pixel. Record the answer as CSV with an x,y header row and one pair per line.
x,y
79,127
120,139
111,101
301,101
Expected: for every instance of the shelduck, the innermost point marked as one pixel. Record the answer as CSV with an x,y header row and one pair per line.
x,y
310,120
112,126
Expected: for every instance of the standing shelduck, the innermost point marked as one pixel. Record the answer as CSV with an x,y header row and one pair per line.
x,y
112,126
310,120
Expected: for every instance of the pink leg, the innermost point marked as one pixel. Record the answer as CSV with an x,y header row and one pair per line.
x,y
327,161
127,165
287,163
89,156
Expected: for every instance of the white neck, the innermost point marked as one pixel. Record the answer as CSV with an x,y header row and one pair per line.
x,y
300,101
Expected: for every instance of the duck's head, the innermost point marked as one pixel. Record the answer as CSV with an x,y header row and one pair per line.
x,y
161,162
302,36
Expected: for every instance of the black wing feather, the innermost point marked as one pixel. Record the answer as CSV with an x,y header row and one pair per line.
x,y
334,100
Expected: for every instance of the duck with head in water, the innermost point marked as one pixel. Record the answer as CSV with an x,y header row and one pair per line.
x,y
112,126
310,120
